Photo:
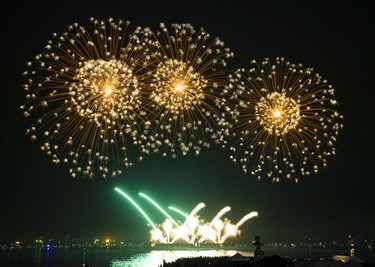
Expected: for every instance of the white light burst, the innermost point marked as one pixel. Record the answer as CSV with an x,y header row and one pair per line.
x,y
196,231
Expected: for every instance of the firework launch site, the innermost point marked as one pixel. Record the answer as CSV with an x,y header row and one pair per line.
x,y
191,230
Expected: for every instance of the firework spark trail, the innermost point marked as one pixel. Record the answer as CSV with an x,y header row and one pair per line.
x,y
137,207
186,231
221,213
247,217
235,227
191,223
197,209
283,120
186,88
178,211
159,208
85,91
217,217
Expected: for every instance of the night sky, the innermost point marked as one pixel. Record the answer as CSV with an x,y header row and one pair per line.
x,y
336,39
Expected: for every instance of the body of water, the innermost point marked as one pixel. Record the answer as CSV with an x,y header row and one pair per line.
x,y
101,257
141,257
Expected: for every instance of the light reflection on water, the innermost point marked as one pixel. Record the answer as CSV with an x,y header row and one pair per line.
x,y
143,257
155,258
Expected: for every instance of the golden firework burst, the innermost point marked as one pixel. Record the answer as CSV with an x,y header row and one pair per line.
x,y
188,77
284,121
86,92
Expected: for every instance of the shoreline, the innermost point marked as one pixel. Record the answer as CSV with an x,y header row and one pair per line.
x,y
239,260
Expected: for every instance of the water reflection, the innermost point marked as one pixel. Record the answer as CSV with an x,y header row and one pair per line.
x,y
155,258
66,256
47,255
37,257
134,257
15,250
84,256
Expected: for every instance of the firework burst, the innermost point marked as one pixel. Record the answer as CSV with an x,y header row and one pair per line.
x,y
284,121
84,96
187,78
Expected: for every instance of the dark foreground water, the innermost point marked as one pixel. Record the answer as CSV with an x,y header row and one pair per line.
x,y
130,257
100,257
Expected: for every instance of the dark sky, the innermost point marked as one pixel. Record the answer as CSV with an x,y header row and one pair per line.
x,y
333,37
